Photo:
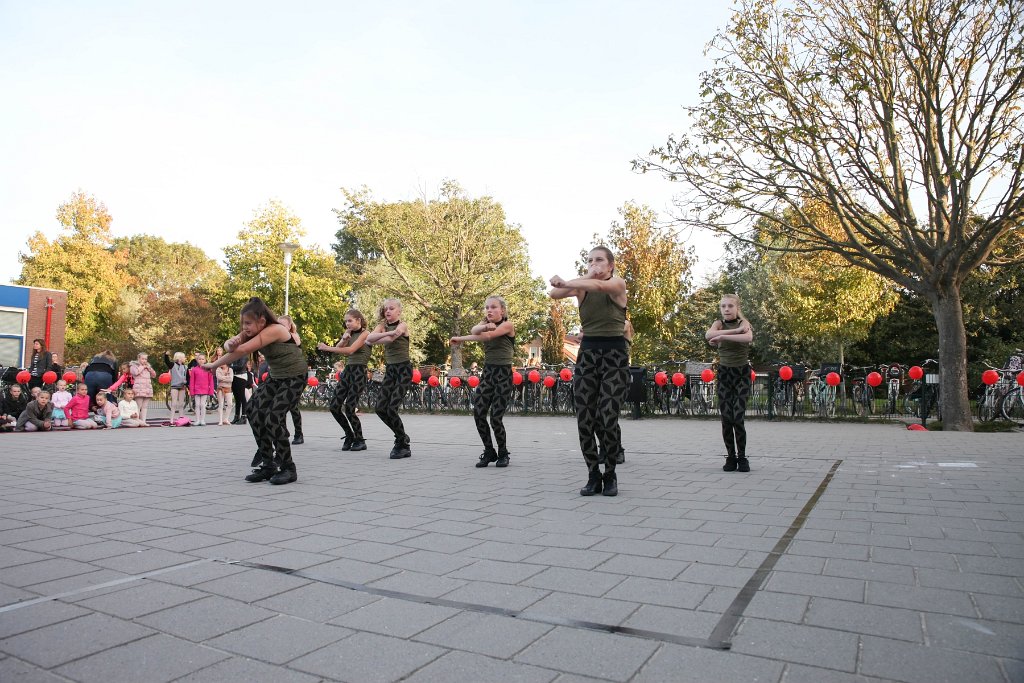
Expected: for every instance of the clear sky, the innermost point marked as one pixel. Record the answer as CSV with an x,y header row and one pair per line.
x,y
184,118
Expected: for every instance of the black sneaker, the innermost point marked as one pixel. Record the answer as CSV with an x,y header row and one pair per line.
x,y
730,464
594,483
284,477
611,484
261,474
486,458
347,445
405,451
359,445
394,452
502,460
742,464
298,440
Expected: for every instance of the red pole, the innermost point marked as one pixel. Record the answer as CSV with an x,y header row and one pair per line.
x,y
49,318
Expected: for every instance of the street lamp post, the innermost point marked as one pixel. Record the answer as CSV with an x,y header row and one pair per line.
x,y
288,248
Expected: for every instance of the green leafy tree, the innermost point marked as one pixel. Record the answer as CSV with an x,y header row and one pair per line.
x,y
562,318
80,262
442,257
318,287
657,269
903,118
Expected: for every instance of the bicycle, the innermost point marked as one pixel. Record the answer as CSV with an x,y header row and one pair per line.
x,y
702,394
820,393
788,393
990,403
923,394
863,394
1011,406
893,375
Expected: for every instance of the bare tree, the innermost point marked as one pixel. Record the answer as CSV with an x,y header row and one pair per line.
x,y
903,117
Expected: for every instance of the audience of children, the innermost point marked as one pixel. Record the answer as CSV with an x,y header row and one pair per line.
x,y
129,409
14,404
59,401
107,415
38,414
202,385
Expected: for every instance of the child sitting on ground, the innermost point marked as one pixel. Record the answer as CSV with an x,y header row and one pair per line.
x,y
107,414
77,409
38,414
59,401
129,410
11,408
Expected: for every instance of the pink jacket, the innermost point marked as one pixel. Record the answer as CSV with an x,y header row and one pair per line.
x,y
201,382
77,408
143,376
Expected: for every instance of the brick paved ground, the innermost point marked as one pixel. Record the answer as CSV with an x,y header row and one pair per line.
x,y
143,556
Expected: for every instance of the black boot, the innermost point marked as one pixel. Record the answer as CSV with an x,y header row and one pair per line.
x,y
730,464
401,450
358,445
284,477
486,458
621,457
298,440
594,483
347,445
611,482
742,464
261,474
502,459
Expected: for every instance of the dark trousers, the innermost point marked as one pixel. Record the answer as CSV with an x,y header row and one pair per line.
x,y
397,379
96,381
733,391
599,384
267,413
492,397
346,398
296,419
238,387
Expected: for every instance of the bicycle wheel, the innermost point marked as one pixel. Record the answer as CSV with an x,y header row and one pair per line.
x,y
1012,406
987,408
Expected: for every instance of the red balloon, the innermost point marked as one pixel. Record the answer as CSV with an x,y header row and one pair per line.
x,y
549,381
534,376
165,378
785,373
990,377
473,381
874,379
433,381
832,379
23,377
661,378
565,374
49,377
417,376
707,375
264,378
915,372
70,377
753,376
338,376
679,379
455,382
517,378
1020,378
313,381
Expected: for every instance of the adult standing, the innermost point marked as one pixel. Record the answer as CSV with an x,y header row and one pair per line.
x,y
142,376
241,379
499,340
99,373
39,363
732,335
269,406
602,366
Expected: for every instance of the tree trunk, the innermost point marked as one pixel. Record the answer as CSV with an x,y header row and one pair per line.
x,y
949,318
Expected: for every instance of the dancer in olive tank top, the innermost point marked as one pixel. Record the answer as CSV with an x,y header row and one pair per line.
x,y
277,395
499,340
732,335
602,366
354,348
394,335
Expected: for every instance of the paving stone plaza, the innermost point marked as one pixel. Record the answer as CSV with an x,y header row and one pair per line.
x,y
852,552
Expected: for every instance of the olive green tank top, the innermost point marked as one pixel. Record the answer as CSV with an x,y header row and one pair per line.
x,y
601,316
360,357
733,354
500,350
398,350
285,359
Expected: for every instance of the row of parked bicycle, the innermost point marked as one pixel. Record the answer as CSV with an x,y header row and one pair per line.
x,y
688,388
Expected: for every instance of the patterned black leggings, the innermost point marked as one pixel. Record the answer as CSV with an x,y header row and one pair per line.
x,y
267,411
397,379
346,398
600,385
492,396
733,391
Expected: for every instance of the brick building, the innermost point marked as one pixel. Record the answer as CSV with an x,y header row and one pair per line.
x,y
28,313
